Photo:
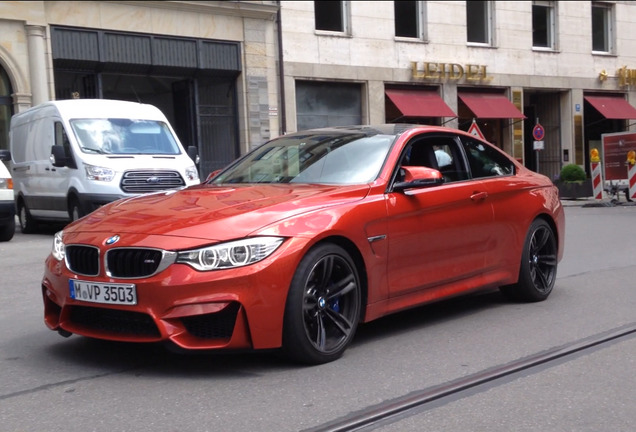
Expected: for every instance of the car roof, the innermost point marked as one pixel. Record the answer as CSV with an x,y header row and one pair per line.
x,y
394,129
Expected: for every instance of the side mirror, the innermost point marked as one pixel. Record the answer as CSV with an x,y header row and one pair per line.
x,y
194,154
212,175
5,155
58,156
418,177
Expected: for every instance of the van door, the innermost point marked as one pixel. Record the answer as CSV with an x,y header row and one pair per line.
x,y
49,185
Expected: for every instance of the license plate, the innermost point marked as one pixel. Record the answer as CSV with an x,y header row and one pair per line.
x,y
120,294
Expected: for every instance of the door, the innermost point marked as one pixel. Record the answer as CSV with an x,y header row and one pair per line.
x,y
440,234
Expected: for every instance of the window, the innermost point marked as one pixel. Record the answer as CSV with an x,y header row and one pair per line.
x,y
323,104
441,153
602,27
409,19
479,22
331,16
485,161
543,24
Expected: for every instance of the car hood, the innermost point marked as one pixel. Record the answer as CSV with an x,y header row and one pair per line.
x,y
214,213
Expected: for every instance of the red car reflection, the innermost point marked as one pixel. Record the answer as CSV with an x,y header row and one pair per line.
x,y
304,238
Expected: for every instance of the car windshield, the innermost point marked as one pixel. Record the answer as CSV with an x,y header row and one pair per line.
x,y
124,136
339,158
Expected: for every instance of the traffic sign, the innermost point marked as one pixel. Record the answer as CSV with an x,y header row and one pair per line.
x,y
538,133
475,131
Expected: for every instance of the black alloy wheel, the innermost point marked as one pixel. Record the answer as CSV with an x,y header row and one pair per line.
x,y
323,306
537,274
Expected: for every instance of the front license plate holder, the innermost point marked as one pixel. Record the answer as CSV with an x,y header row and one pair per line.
x,y
103,293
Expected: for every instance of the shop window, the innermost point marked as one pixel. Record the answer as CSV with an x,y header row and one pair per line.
x,y
323,104
479,22
544,24
602,27
331,16
409,19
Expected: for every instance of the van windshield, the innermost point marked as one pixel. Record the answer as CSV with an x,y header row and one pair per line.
x,y
124,136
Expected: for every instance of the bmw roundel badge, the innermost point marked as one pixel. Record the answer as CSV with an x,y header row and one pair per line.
x,y
112,240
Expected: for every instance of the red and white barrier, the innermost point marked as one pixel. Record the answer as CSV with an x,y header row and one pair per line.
x,y
631,178
597,180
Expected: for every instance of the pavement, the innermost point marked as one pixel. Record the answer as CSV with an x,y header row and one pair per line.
x,y
606,201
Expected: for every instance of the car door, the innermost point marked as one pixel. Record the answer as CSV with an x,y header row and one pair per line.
x,y
441,234
507,196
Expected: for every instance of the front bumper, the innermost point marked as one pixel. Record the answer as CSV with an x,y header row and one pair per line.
x,y
228,309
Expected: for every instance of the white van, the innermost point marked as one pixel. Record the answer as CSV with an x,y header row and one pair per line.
x,y
71,156
7,205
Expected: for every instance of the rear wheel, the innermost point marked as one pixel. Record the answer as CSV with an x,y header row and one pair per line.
x,y
538,265
323,306
7,230
28,225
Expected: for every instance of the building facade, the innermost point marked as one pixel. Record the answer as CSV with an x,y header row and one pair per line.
x,y
210,66
231,74
502,65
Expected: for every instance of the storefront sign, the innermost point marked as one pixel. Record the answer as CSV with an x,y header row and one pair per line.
x,y
449,71
626,77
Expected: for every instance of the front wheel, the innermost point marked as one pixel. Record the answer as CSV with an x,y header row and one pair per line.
x,y
538,265
75,211
323,306
28,225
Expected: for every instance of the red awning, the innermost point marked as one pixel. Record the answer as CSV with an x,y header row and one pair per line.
x,y
419,103
489,105
612,107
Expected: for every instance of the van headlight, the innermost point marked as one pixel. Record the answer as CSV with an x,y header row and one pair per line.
x,y
58,246
229,255
192,173
99,173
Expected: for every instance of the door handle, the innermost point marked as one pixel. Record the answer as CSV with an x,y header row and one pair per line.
x,y
479,196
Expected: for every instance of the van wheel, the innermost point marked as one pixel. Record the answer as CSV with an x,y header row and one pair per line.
x,y
28,225
7,231
75,212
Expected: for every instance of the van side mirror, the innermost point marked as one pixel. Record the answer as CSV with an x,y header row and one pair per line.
x,y
5,155
194,154
58,156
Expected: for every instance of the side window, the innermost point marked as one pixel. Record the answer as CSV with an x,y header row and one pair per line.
x,y
485,161
441,153
61,139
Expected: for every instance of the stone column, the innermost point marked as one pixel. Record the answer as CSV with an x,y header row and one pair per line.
x,y
37,63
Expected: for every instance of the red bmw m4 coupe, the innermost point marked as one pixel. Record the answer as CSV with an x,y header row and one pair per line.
x,y
298,242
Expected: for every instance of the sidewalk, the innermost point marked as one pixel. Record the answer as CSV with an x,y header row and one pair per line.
x,y
607,201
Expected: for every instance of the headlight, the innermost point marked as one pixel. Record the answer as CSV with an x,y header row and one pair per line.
x,y
192,173
58,246
229,255
99,173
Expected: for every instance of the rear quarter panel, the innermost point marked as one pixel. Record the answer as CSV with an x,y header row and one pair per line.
x,y
517,201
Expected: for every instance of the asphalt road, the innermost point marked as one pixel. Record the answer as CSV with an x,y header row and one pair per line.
x,y
48,383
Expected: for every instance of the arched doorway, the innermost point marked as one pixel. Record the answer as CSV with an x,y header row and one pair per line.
x,y
6,108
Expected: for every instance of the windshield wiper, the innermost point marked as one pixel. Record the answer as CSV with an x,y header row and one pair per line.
x,y
94,150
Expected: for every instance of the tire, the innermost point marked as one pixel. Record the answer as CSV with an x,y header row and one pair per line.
x,y
7,231
28,225
537,274
74,210
323,306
